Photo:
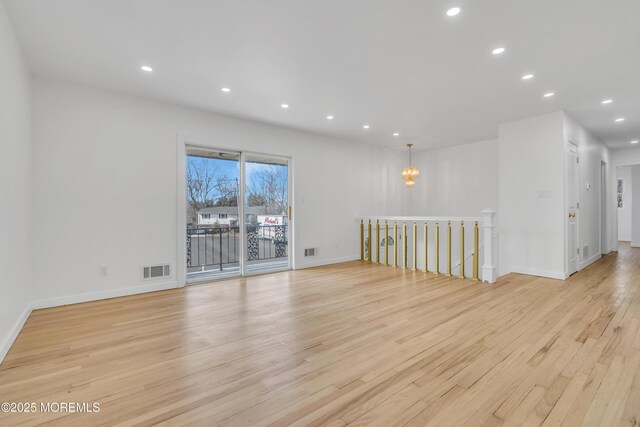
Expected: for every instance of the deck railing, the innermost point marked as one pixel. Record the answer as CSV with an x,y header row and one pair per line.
x,y
218,248
416,243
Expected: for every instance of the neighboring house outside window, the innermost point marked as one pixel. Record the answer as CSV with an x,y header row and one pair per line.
x,y
206,216
222,216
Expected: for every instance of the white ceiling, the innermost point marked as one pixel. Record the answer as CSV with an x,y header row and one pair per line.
x,y
398,65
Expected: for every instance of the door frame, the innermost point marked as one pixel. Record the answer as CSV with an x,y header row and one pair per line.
x,y
604,217
184,141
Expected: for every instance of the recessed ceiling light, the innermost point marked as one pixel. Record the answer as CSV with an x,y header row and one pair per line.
x,y
620,119
396,134
453,11
527,77
146,68
635,141
365,126
285,105
607,101
329,117
225,90
548,94
498,50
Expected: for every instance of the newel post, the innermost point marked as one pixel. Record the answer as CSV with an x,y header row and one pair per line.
x,y
489,268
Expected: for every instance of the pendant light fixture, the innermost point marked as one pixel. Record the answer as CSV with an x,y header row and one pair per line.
x,y
410,173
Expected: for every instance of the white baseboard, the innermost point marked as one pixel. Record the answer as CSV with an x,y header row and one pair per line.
x,y
17,327
540,273
320,262
75,299
590,261
96,296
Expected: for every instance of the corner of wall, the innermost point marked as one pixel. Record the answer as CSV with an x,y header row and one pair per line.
x,y
16,208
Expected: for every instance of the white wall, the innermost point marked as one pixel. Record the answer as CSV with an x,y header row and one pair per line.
x,y
624,213
16,255
531,196
592,152
635,207
459,181
627,157
105,169
454,181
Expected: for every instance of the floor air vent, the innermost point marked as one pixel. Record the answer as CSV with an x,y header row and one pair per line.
x,y
156,271
310,252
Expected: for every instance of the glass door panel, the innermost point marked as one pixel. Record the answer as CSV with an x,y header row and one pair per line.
x,y
266,212
213,216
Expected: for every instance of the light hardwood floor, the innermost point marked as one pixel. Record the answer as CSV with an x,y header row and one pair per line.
x,y
344,344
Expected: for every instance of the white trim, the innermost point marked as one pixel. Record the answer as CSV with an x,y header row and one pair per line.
x,y
242,217
321,262
97,296
590,261
17,327
259,272
76,299
291,218
539,273
184,141
421,218
215,277
181,197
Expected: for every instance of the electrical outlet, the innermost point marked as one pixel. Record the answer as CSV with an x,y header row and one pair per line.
x,y
104,271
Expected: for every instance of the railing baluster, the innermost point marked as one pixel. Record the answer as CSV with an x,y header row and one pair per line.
x,y
362,240
449,249
386,242
220,249
369,246
475,251
200,252
437,270
395,243
426,247
415,246
377,241
462,249
404,244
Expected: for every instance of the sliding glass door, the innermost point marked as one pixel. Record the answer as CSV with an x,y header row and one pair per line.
x,y
214,244
237,214
266,212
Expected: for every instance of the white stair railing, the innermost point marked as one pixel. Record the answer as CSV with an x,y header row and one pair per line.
x,y
396,241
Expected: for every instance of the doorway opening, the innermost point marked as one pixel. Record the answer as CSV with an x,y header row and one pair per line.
x,y
627,187
237,213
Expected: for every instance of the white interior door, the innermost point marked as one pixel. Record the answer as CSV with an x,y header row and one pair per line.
x,y
572,209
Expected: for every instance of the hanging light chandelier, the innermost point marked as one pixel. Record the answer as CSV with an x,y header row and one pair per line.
x,y
409,174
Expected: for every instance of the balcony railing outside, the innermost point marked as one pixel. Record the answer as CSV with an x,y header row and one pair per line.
x,y
218,248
